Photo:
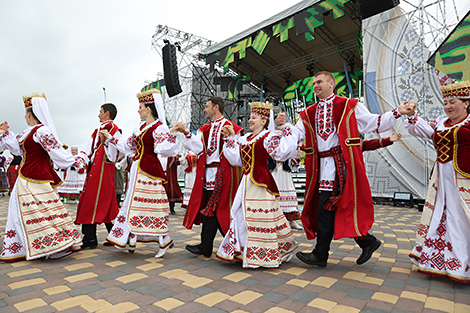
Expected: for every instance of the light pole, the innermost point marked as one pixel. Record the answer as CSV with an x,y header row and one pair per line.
x,y
104,91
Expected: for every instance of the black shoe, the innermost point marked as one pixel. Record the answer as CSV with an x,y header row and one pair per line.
x,y
310,259
92,244
195,249
172,212
107,244
367,252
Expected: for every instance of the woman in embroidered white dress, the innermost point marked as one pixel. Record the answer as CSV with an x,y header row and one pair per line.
x,y
38,224
259,233
144,213
443,236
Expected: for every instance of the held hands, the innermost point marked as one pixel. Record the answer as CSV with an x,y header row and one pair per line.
x,y
407,108
179,127
4,127
227,131
281,119
395,137
104,134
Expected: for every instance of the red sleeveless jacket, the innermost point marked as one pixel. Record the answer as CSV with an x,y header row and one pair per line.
x,y
37,164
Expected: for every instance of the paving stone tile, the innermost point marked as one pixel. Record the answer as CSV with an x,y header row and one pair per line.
x,y
84,290
20,291
303,296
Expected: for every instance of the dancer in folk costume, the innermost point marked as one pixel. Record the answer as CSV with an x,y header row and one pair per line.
x,y
4,187
120,178
38,224
12,171
216,180
144,212
443,236
189,162
374,144
73,182
335,205
281,172
259,233
173,190
98,202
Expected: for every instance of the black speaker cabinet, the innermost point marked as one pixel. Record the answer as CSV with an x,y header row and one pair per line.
x,y
372,7
170,70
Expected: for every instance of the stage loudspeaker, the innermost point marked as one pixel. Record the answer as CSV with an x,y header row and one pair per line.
x,y
170,70
372,7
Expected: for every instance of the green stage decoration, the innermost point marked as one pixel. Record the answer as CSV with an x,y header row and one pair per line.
x,y
283,30
304,22
154,85
232,84
260,42
302,90
453,56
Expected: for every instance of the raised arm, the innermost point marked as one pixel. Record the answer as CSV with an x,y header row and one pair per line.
x,y
8,140
164,141
61,158
283,146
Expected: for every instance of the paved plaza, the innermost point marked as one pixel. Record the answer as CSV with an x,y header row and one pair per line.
x,y
108,280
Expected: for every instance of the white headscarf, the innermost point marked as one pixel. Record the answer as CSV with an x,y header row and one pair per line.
x,y
41,110
271,126
159,107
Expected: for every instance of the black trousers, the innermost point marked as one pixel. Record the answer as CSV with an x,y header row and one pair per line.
x,y
210,225
89,231
326,229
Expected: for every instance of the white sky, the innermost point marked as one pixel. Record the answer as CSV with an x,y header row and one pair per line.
x,y
70,50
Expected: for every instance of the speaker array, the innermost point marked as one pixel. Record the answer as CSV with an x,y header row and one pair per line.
x,y
170,70
372,7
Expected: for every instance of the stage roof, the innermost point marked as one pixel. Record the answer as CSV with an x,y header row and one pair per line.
x,y
311,36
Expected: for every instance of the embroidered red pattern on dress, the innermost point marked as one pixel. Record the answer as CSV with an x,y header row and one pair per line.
x,y
324,118
268,230
48,142
148,222
230,144
326,184
213,141
14,248
46,218
40,202
54,239
435,258
254,253
159,138
396,114
273,145
286,131
10,233
412,119
433,124
130,143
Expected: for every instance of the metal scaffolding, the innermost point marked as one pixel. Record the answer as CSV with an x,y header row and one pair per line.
x,y
178,108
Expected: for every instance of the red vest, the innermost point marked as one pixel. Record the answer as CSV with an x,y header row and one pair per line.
x,y
98,202
355,210
255,164
460,150
149,164
37,165
229,180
